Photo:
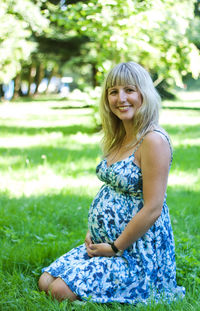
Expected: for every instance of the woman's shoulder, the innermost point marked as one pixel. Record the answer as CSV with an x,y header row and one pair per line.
x,y
156,139
156,147
156,135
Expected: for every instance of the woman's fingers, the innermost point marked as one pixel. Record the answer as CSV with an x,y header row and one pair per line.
x,y
101,249
91,249
88,239
90,252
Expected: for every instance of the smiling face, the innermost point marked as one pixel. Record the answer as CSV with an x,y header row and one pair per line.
x,y
124,101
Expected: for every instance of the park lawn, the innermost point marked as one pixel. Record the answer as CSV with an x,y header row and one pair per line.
x,y
48,156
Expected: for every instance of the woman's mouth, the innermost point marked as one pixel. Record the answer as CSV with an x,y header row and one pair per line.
x,y
124,108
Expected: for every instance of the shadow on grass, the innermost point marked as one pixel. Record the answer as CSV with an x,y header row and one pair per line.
x,y
180,108
71,107
184,202
53,156
67,130
45,98
186,158
192,131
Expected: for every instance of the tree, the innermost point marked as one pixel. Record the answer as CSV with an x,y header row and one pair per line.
x,y
18,19
153,33
52,49
87,37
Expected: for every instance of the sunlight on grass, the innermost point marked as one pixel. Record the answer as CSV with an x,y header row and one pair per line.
x,y
189,96
46,181
186,180
189,142
44,139
185,100
84,139
24,141
42,116
179,118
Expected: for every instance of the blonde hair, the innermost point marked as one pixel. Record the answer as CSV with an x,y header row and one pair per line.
x,y
146,117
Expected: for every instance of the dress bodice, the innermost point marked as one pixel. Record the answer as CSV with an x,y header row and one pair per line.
x,y
124,176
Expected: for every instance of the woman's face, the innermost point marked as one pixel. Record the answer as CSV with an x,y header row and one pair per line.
x,y
124,101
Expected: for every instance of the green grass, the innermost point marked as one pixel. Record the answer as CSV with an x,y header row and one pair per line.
x,y
47,163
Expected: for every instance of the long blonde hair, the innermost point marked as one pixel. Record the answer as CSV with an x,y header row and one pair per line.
x,y
146,117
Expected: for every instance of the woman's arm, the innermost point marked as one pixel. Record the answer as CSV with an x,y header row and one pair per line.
x,y
155,159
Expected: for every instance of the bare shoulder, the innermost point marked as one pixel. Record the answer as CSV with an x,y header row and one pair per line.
x,y
156,140
155,148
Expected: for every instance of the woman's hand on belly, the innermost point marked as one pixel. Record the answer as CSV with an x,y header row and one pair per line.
x,y
99,250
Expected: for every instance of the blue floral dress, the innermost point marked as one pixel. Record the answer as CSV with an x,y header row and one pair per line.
x,y
146,270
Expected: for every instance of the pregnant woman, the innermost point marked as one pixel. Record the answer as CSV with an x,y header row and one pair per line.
x,y
128,255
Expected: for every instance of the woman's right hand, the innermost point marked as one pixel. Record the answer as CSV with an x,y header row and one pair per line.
x,y
88,240
100,249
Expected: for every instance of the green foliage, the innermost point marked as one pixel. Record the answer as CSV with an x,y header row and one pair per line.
x,y
48,154
85,38
153,33
18,20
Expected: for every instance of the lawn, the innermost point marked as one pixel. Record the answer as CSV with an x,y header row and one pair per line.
x,y
48,155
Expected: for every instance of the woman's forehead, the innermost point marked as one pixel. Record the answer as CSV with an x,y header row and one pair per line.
x,y
121,86
116,78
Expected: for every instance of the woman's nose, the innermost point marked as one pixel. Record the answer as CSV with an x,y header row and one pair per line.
x,y
122,96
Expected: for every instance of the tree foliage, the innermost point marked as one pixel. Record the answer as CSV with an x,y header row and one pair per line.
x,y
153,33
18,20
88,37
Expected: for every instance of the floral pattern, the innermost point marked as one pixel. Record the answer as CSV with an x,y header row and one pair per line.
x,y
146,270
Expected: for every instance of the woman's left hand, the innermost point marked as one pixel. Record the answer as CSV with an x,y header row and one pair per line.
x,y
101,249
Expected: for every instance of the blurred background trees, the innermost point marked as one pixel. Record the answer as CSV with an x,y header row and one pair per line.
x,y
42,39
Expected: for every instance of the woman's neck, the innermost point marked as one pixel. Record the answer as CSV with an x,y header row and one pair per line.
x,y
130,135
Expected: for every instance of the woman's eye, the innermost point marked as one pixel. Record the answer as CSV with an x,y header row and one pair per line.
x,y
113,92
130,90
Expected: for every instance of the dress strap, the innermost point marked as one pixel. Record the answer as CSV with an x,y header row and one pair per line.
x,y
170,145
167,138
138,145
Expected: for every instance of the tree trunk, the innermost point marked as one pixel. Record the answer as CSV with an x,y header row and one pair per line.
x,y
1,92
94,76
52,73
31,79
17,85
39,76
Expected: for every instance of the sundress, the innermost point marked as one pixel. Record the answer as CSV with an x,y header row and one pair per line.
x,y
146,271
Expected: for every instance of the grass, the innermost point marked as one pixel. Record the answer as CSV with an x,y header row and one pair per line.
x,y
47,161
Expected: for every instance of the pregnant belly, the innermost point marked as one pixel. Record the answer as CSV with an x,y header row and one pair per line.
x,y
109,214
